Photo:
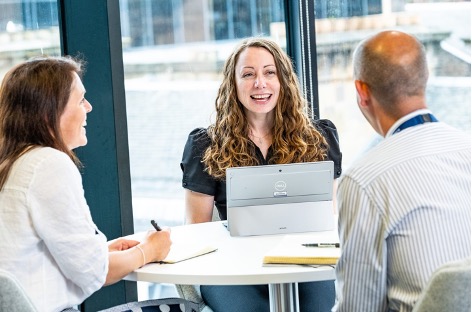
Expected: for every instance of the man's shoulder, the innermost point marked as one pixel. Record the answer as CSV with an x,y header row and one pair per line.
x,y
401,148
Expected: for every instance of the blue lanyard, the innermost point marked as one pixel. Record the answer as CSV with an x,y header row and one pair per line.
x,y
417,120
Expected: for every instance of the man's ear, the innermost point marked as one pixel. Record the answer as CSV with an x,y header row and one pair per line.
x,y
363,93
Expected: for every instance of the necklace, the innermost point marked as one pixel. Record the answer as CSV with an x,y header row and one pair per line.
x,y
259,139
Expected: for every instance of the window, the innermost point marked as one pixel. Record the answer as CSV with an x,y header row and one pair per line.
x,y
27,28
173,53
174,50
171,87
442,29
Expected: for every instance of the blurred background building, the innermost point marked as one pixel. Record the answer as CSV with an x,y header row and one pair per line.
x,y
173,52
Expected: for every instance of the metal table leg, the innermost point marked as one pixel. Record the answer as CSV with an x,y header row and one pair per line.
x,y
284,297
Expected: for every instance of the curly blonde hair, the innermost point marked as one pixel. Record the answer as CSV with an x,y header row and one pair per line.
x,y
295,139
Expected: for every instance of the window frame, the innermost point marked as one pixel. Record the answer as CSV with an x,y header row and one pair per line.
x,y
91,29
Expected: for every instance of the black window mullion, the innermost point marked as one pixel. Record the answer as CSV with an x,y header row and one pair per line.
x,y
91,29
301,46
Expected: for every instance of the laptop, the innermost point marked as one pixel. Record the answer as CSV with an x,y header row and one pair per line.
x,y
280,199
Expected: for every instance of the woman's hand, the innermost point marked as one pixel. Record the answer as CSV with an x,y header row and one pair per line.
x,y
156,245
126,255
121,244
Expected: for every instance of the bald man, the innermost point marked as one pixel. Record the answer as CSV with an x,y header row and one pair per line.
x,y
404,207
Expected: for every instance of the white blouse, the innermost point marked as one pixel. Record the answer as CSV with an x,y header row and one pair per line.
x,y
48,239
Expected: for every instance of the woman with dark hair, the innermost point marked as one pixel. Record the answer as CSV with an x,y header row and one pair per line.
x,y
47,237
261,118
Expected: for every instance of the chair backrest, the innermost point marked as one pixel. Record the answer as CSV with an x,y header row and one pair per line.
x,y
447,290
157,305
12,295
192,292
215,216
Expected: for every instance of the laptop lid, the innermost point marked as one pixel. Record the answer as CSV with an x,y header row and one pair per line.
x,y
276,199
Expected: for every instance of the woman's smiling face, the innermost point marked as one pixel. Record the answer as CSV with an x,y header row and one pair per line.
x,y
74,118
257,82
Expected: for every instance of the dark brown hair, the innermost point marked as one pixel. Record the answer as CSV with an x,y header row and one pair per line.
x,y
33,96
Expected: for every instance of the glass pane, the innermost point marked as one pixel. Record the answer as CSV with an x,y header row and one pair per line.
x,y
444,28
173,55
27,29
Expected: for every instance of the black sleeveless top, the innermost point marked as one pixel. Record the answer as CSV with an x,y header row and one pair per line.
x,y
196,179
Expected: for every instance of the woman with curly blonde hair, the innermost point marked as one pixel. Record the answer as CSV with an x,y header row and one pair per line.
x,y
261,118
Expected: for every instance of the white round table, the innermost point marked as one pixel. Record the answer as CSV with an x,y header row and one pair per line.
x,y
238,261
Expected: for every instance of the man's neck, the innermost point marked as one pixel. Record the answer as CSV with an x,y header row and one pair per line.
x,y
403,119
406,108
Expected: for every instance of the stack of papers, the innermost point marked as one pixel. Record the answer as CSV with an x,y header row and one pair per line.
x,y
290,250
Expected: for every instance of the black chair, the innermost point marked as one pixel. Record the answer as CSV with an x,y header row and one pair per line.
x,y
156,305
192,292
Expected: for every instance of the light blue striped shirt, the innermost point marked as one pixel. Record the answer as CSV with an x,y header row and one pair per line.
x,y
404,209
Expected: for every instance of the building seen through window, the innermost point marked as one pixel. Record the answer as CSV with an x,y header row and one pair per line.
x,y
171,87
174,50
27,28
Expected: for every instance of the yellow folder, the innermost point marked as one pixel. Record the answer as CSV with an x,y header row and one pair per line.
x,y
290,250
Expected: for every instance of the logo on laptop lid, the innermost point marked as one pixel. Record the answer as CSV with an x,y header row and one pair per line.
x,y
280,187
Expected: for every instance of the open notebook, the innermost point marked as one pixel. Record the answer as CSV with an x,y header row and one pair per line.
x,y
182,248
182,251
290,250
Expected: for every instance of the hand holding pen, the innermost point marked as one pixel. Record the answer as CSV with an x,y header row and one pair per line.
x,y
157,227
156,244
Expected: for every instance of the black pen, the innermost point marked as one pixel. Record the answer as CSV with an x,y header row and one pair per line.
x,y
332,245
157,227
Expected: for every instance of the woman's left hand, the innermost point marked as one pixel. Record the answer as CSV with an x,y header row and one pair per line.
x,y
121,243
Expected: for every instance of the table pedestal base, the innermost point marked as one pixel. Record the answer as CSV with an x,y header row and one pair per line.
x,y
284,297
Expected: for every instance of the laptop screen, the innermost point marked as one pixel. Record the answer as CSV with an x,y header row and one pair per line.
x,y
276,184
276,199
